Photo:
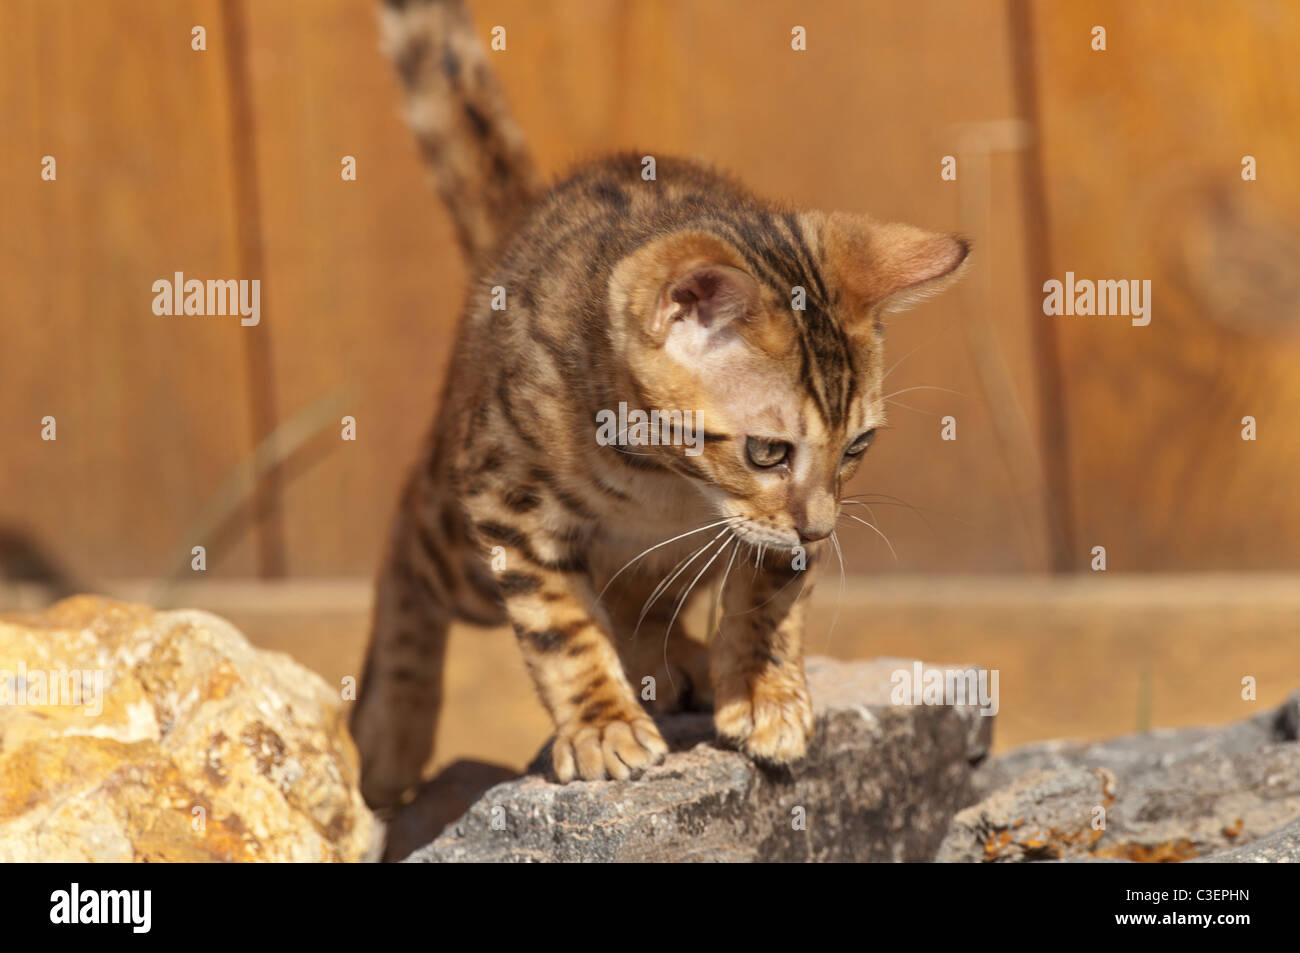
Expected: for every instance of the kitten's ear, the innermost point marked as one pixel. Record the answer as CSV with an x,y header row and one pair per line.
x,y
890,266
686,277
710,295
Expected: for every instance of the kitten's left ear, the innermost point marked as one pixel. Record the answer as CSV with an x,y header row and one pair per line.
x,y
890,266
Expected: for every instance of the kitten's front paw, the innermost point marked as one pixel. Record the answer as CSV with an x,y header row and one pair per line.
x,y
613,748
772,725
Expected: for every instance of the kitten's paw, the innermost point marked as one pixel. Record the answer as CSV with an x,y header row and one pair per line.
x,y
772,725
613,748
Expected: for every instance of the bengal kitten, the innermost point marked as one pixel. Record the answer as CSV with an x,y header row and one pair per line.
x,y
677,292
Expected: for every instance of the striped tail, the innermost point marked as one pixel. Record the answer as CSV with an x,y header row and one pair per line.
x,y
458,112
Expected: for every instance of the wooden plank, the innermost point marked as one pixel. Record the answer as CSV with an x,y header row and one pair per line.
x,y
151,411
1142,150
367,283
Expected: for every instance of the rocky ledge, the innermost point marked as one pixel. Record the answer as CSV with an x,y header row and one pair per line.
x,y
890,782
882,783
1174,795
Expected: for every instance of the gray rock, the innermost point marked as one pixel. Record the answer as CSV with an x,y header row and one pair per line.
x,y
881,782
1176,795
1041,815
1154,752
440,801
1280,847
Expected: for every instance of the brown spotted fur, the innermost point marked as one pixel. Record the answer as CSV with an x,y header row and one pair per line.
x,y
669,294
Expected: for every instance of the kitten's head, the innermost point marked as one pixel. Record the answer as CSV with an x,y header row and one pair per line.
x,y
789,397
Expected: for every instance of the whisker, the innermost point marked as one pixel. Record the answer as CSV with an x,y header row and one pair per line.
x,y
667,583
875,520
875,530
839,601
946,390
895,365
919,514
899,403
883,496
920,511
722,589
646,552
682,601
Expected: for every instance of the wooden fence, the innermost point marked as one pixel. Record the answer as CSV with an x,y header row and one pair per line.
x,y
1072,432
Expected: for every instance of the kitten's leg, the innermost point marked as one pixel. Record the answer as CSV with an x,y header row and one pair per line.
x,y
761,701
394,718
678,663
601,728
432,576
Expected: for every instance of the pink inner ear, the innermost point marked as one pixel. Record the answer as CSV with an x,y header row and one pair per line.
x,y
712,295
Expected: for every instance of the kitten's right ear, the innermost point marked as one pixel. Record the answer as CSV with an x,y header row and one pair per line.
x,y
688,277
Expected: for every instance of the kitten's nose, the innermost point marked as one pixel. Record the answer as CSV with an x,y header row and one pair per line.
x,y
814,517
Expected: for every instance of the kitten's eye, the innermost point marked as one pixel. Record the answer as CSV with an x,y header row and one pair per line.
x,y
859,446
766,453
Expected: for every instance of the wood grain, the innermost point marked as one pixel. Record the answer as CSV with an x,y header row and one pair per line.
x,y
1138,150
151,411
1142,146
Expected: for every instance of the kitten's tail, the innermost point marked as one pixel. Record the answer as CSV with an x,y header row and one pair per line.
x,y
458,112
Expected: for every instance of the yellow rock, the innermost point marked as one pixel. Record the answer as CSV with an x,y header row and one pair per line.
x,y
128,734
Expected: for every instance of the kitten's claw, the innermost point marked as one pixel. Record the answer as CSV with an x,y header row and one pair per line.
x,y
614,749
